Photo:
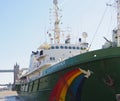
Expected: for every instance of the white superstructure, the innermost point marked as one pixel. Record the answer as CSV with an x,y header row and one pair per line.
x,y
54,53
49,54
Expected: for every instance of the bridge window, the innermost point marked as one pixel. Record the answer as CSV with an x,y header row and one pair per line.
x,y
61,47
78,47
70,47
66,47
57,47
52,47
83,48
52,58
41,52
73,47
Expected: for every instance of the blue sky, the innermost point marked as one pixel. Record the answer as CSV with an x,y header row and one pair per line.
x,y
23,24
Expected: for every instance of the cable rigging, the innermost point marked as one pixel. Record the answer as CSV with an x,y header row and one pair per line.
x,y
97,28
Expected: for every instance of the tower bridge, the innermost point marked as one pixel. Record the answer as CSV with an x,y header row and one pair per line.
x,y
15,72
8,71
4,84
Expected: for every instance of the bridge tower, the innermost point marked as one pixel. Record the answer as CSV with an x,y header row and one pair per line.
x,y
16,72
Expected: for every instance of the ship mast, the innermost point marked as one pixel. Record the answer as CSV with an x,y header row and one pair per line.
x,y
56,23
118,22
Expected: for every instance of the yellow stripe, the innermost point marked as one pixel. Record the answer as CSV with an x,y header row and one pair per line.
x,y
65,88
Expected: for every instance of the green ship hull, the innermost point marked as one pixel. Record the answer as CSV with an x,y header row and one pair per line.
x,y
92,76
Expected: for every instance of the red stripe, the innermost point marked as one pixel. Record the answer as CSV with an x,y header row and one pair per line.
x,y
60,84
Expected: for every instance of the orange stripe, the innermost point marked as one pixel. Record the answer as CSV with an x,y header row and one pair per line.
x,y
61,87
63,81
65,88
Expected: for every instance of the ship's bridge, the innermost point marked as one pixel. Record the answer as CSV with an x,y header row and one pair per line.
x,y
54,53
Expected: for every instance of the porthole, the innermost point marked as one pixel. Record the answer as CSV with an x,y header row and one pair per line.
x,y
81,48
66,47
73,47
78,47
57,47
61,47
52,47
70,47
50,58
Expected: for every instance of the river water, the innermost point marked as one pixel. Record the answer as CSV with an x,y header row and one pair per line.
x,y
11,98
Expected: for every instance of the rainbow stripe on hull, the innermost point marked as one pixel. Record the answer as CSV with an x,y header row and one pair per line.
x,y
75,78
